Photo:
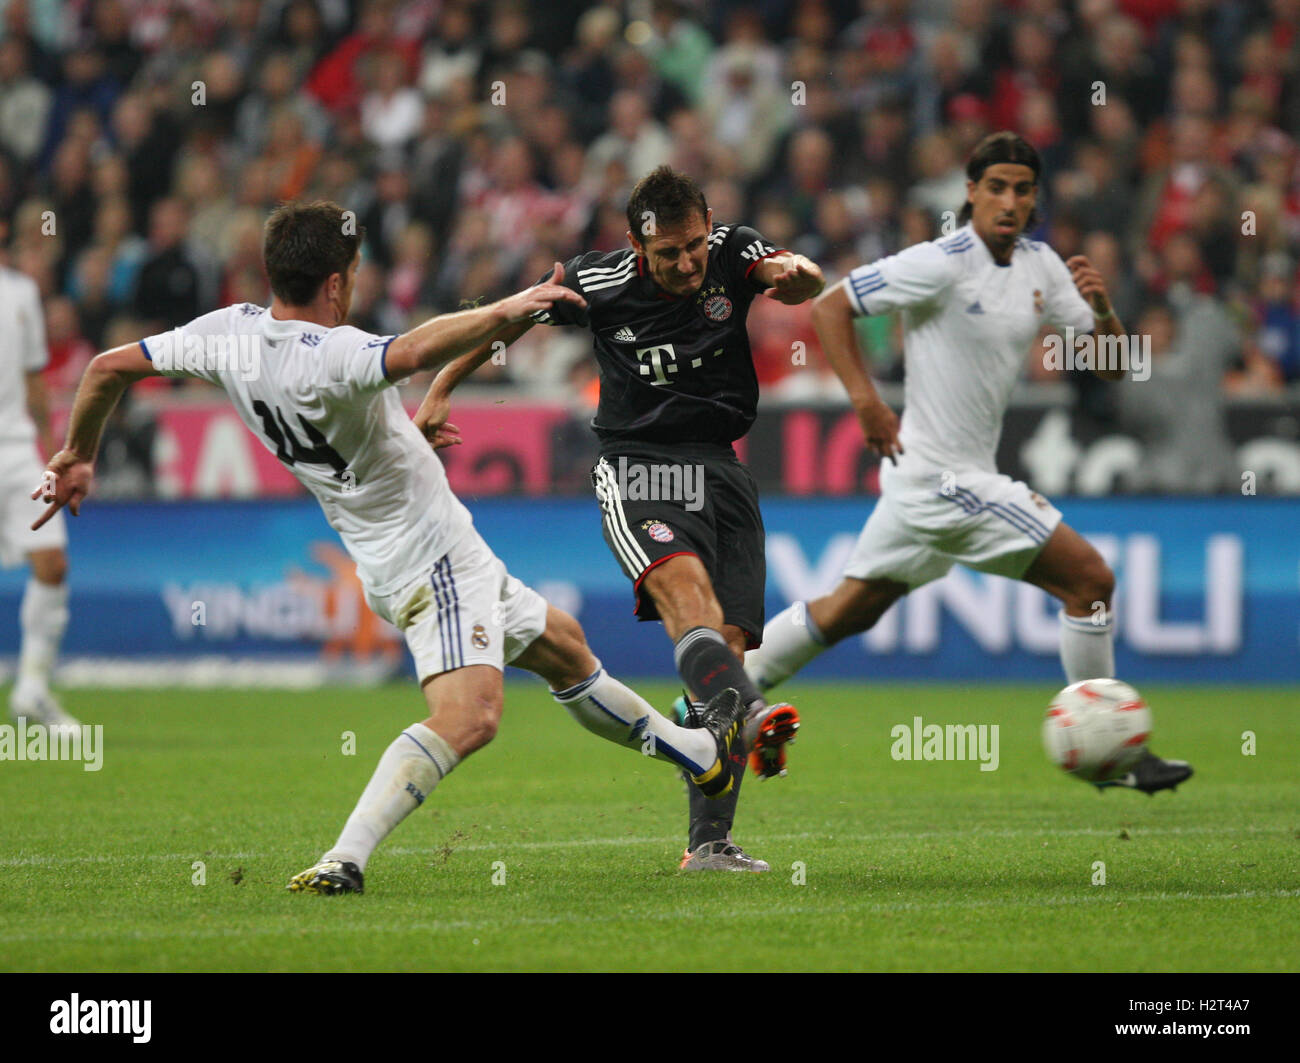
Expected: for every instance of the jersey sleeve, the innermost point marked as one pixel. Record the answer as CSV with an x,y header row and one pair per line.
x,y
1064,306
915,275
193,350
566,313
742,250
32,348
353,363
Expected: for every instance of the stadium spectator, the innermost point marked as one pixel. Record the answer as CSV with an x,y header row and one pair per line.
x,y
276,88
24,102
744,112
391,111
1178,413
453,51
167,290
1273,352
681,48
634,137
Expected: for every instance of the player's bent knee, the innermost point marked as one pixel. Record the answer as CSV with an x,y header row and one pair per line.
x,y
560,654
1095,584
49,566
483,719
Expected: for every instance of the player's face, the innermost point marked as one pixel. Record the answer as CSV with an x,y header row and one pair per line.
x,y
1001,202
677,256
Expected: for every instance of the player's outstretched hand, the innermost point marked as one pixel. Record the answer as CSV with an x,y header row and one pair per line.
x,y
431,420
1089,283
800,281
522,305
65,483
880,427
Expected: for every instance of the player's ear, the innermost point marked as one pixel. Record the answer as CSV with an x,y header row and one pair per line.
x,y
708,220
970,192
636,244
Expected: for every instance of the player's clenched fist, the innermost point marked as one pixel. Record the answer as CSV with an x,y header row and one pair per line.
x,y
800,280
65,483
1089,282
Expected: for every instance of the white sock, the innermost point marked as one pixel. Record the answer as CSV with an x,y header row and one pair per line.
x,y
790,640
410,768
606,707
1087,649
44,618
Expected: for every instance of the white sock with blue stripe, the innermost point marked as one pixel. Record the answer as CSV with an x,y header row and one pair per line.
x,y
606,707
410,768
1087,648
790,640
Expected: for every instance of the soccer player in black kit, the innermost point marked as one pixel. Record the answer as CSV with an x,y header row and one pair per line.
x,y
679,511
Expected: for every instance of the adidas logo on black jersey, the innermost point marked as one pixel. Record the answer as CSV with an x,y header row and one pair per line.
x,y
625,335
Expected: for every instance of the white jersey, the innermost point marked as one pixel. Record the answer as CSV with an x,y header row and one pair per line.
x,y
320,400
968,323
22,351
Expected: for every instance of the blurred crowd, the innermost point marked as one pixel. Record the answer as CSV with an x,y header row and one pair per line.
x,y
143,141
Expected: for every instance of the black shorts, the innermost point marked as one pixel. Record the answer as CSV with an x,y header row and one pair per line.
x,y
659,502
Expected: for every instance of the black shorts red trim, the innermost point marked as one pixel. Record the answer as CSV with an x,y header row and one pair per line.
x,y
660,502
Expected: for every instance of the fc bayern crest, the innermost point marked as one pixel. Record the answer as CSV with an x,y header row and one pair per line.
x,y
716,305
659,532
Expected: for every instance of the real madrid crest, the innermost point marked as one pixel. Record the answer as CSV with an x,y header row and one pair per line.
x,y
479,636
1038,301
714,303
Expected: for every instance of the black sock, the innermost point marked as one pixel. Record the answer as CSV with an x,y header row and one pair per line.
x,y
708,667
711,818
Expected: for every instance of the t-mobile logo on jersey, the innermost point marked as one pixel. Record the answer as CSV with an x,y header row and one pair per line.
x,y
662,371
656,368
670,482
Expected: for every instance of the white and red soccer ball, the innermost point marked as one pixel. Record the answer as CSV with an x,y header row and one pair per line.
x,y
1096,729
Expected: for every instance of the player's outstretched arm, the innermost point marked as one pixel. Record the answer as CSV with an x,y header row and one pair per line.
x,y
69,473
448,336
832,316
1105,321
38,409
789,278
431,417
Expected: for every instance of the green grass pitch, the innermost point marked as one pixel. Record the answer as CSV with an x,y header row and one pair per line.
x,y
552,850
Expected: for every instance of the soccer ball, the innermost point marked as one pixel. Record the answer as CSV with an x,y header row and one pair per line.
x,y
1097,729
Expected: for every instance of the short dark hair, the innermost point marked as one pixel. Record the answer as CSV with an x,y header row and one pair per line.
x,y
304,244
1003,146
669,196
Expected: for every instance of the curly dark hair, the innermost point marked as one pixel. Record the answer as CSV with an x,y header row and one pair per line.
x,y
304,244
666,196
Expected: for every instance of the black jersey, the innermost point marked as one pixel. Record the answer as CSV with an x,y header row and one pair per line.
x,y
673,369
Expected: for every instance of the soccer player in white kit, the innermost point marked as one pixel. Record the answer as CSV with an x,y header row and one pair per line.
x,y
24,415
319,393
972,304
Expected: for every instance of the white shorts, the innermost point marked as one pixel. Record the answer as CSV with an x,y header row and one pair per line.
x,y
927,521
467,610
21,469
